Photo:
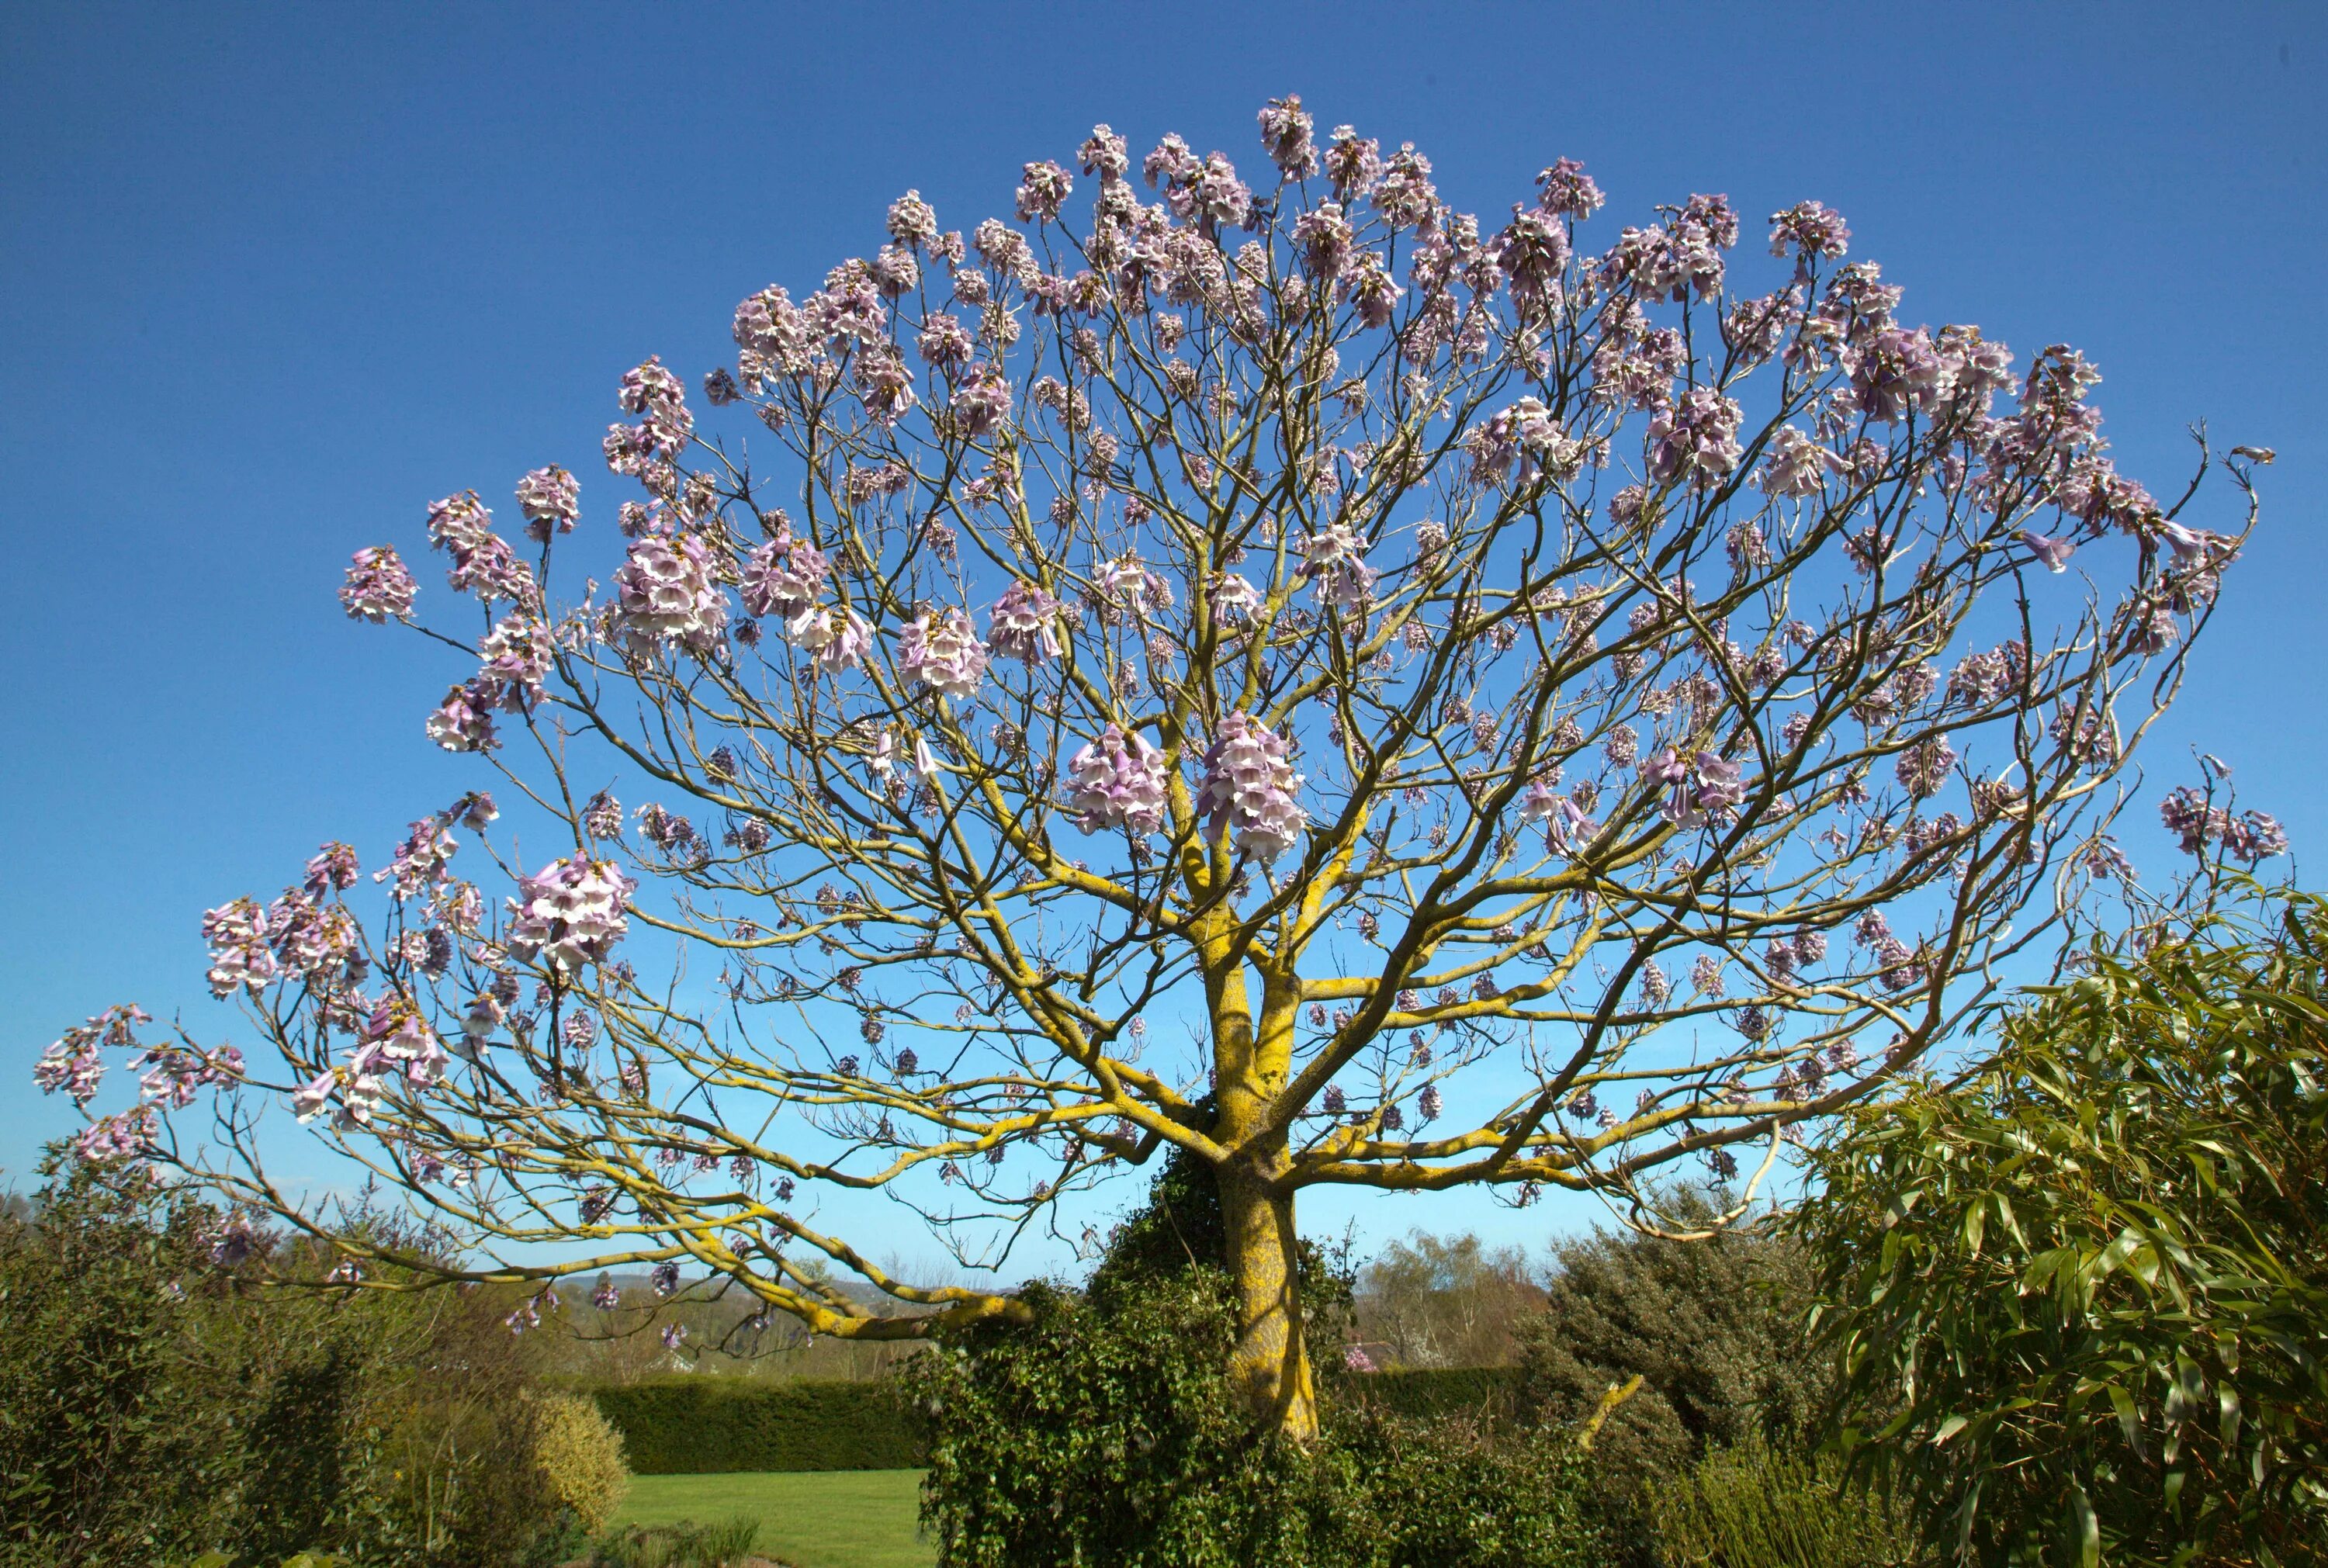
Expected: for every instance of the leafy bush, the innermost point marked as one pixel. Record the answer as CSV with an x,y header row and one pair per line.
x,y
698,1424
2080,1299
581,1458
1713,1328
1755,1506
157,1405
1105,1432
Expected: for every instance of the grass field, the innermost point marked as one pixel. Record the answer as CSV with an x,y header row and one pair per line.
x,y
814,1519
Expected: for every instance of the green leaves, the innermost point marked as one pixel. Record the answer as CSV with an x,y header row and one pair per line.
x,y
2080,1298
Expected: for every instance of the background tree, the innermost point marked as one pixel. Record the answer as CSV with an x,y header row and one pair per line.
x,y
1431,1301
1296,675
1713,1328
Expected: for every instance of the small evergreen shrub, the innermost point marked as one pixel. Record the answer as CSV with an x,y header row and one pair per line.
x,y
581,1458
2079,1296
1716,1329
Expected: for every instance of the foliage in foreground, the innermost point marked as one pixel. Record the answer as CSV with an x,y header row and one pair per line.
x,y
1755,1505
2092,1279
1712,1326
1104,1432
156,1405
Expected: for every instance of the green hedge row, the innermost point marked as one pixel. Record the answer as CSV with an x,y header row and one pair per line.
x,y
1491,1393
688,1424
693,1423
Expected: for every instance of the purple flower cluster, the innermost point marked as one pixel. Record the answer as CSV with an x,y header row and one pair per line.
x,y
551,499
76,1063
942,651
1717,789
1696,439
783,577
1117,782
482,563
668,592
570,913
654,395
1249,786
380,587
1808,229
1022,622
2250,836
1332,562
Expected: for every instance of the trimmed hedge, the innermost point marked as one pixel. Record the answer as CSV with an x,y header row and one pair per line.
x,y
1487,1393
693,1424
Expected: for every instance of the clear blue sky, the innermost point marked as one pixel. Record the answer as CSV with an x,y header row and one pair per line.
x,y
272,278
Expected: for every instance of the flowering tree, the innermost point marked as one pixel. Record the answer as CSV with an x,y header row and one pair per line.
x,y
1295,675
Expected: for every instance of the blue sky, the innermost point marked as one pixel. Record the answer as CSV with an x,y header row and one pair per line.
x,y
272,278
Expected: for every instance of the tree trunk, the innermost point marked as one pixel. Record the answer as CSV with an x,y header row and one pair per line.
x,y
1270,1367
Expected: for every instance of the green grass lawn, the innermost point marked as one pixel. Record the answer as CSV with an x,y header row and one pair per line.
x,y
814,1518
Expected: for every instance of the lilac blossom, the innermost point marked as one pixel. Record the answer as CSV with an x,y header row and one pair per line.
x,y
129,1135
1795,465
1043,190
241,958
941,650
1233,599
1285,132
667,593
331,869
2054,553
783,577
837,639
482,564
551,499
570,913
1022,625
1807,229
1566,191
1117,782
463,721
379,587
1324,241
1332,561
982,402
1696,439
1251,786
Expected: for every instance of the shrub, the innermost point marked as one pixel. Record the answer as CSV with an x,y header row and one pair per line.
x,y
156,1405
1757,1507
581,1458
1714,1328
1104,1432
2080,1298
